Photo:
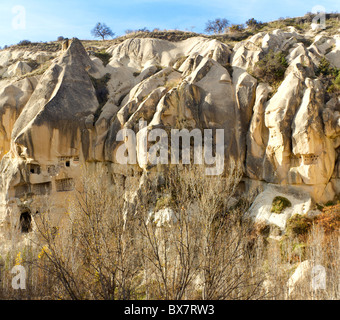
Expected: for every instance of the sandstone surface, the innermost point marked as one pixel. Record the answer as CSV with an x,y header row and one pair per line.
x,y
53,123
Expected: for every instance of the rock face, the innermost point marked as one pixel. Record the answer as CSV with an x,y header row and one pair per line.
x,y
261,209
74,112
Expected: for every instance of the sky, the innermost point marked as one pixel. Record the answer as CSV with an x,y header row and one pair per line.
x,y
38,20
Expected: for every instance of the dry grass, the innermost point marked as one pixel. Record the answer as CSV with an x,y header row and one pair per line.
x,y
37,71
52,46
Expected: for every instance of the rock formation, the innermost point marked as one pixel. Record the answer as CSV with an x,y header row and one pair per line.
x,y
51,123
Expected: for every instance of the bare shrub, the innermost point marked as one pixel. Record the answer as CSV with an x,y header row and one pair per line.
x,y
93,255
202,250
181,235
314,250
217,26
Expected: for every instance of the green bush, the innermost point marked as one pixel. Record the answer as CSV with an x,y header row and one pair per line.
x,y
337,80
279,204
253,23
271,68
236,27
298,225
329,203
325,69
335,85
329,75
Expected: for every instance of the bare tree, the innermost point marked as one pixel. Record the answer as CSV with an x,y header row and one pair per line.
x,y
169,246
101,30
93,255
217,26
180,236
192,245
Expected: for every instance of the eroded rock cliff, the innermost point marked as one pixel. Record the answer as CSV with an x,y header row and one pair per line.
x,y
285,138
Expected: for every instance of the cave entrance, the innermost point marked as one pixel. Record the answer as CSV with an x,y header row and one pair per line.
x,y
25,222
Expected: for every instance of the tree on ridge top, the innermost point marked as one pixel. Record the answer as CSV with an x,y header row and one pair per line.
x,y
102,30
217,26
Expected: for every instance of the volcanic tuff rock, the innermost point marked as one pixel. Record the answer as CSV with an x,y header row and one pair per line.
x,y
53,122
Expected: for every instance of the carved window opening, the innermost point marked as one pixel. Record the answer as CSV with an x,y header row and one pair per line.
x,y
42,188
64,161
25,222
310,159
64,185
52,170
21,190
34,168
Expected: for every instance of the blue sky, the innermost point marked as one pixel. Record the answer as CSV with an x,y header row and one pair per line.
x,y
46,20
